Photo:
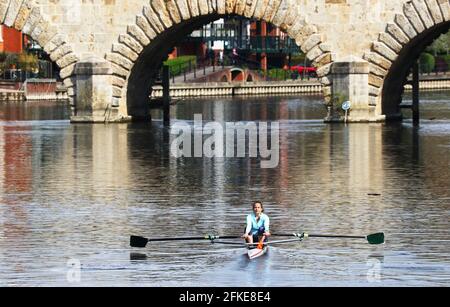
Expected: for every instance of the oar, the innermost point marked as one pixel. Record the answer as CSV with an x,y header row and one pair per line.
x,y
137,241
375,238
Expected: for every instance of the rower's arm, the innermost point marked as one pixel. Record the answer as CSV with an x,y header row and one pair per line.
x,y
249,225
267,224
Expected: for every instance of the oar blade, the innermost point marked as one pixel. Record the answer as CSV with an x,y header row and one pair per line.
x,y
376,238
136,241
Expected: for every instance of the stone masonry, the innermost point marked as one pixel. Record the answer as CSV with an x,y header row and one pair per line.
x,y
109,50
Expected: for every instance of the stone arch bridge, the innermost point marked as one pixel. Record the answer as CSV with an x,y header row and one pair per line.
x,y
109,50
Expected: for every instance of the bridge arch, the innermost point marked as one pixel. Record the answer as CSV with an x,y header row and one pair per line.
x,y
140,51
237,74
27,16
399,47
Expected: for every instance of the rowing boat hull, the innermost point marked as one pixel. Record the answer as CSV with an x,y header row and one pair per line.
x,y
256,252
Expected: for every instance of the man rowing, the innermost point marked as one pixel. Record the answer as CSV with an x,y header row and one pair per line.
x,y
258,225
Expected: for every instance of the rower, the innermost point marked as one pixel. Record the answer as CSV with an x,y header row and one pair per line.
x,y
258,225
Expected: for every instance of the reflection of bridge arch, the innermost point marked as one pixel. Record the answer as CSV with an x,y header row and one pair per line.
x,y
139,52
28,17
399,47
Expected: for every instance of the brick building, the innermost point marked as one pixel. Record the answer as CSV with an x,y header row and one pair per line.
x,y
256,43
11,40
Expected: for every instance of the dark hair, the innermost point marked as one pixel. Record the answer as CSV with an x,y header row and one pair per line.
x,y
258,202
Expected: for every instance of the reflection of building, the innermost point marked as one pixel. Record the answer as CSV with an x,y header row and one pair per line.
x,y
254,44
11,40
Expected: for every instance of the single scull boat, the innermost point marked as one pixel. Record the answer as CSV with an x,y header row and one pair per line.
x,y
255,250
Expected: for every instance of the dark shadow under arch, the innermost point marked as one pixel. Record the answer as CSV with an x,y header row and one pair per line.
x,y
393,86
145,69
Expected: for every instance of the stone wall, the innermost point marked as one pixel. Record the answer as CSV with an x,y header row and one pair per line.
x,y
134,35
11,96
95,25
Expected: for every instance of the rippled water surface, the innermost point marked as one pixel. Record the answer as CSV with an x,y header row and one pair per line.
x,y
74,194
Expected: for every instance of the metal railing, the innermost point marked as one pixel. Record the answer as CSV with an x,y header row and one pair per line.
x,y
273,73
44,71
256,44
17,75
236,36
196,69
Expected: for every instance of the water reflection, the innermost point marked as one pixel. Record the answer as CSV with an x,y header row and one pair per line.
x,y
34,110
79,191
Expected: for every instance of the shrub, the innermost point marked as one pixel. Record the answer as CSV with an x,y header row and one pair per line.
x,y
179,64
28,62
446,59
11,60
3,57
25,62
278,74
299,59
427,62
441,64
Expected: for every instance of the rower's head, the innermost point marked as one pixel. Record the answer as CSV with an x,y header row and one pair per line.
x,y
258,207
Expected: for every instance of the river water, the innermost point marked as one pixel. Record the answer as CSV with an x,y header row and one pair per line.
x,y
71,195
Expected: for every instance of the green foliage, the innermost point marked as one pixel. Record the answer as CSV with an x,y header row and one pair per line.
x,y
7,61
299,59
446,58
442,63
339,99
28,62
3,57
25,62
11,60
441,45
427,63
278,74
179,64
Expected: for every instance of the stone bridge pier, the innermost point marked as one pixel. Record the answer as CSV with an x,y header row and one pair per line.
x,y
109,51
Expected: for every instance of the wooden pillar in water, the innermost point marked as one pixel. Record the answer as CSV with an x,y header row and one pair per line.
x,y
415,95
166,94
263,36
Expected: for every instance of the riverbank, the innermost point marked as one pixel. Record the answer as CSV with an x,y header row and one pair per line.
x,y
432,84
31,90
272,88
50,90
239,89
11,95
